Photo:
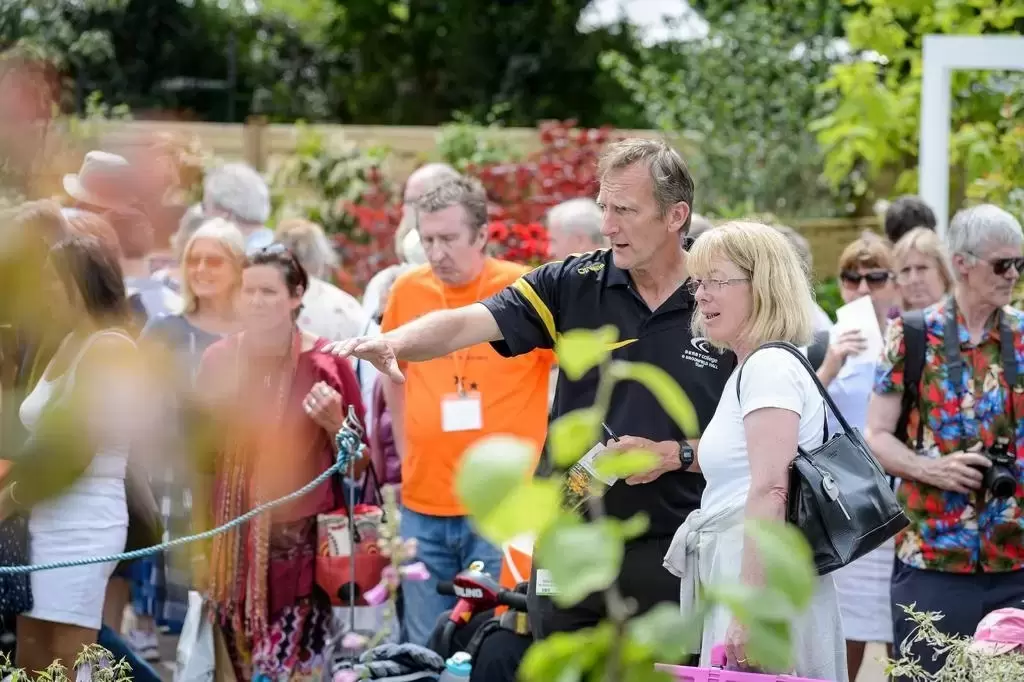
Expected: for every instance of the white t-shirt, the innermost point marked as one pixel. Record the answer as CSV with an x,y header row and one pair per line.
x,y
771,378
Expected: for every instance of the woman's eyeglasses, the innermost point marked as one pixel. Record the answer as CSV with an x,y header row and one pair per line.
x,y
211,261
874,279
1001,266
692,285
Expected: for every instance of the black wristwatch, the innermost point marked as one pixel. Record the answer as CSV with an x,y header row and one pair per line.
x,y
685,455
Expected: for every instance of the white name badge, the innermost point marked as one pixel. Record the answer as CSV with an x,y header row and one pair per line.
x,y
545,586
461,412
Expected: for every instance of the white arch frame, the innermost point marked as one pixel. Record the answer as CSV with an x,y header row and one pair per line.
x,y
941,55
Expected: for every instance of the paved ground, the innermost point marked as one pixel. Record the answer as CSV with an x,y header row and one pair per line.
x,y
871,671
168,649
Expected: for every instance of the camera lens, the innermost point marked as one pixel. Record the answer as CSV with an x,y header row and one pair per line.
x,y
1003,483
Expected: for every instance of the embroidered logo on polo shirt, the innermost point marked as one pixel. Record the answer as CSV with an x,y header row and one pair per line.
x,y
593,267
703,354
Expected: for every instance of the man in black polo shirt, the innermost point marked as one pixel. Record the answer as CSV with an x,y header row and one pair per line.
x,y
646,194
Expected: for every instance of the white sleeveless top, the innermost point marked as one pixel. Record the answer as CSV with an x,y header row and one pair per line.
x,y
96,499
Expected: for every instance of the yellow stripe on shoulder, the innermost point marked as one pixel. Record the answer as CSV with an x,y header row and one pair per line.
x,y
539,306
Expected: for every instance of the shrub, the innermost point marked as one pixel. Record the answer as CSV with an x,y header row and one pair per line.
x,y
94,663
962,663
522,192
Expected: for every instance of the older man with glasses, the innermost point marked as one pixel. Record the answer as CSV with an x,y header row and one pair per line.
x,y
945,420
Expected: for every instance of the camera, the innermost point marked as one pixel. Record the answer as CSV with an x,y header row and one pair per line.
x,y
1000,478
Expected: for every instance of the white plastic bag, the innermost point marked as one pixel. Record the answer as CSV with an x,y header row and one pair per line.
x,y
197,659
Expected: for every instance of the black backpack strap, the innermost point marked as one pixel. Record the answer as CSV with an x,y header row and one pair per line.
x,y
818,348
914,340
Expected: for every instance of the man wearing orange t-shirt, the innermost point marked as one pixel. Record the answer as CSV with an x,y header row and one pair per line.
x,y
448,403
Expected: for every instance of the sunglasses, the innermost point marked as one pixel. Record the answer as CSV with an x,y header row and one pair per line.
x,y
211,261
874,279
1001,266
277,251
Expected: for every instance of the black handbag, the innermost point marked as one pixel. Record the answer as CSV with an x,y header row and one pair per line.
x,y
839,495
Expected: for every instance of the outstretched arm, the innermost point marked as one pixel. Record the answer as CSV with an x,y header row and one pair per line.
x,y
443,331
432,336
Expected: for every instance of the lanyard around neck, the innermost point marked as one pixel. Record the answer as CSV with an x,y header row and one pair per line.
x,y
461,358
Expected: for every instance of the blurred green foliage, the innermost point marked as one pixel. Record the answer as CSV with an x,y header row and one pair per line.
x,y
874,129
746,93
407,62
828,296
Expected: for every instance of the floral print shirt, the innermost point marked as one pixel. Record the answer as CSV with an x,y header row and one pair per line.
x,y
948,531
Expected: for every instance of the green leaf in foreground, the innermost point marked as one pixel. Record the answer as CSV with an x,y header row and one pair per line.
x,y
666,632
770,644
572,434
494,482
566,656
635,526
530,508
581,350
749,604
581,557
492,468
786,558
626,464
661,384
767,615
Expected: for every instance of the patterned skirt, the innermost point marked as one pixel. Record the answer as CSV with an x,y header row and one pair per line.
x,y
293,647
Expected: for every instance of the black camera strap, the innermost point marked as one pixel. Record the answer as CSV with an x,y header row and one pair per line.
x,y
955,365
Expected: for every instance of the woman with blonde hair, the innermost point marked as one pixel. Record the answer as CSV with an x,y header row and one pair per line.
x,y
751,289
211,274
923,272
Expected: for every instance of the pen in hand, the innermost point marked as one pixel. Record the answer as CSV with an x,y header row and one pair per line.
x,y
608,431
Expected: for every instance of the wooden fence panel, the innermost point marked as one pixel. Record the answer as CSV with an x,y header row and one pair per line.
x,y
262,145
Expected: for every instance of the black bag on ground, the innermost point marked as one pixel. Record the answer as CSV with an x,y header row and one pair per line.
x,y
839,495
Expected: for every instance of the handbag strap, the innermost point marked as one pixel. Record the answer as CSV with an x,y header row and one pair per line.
x,y
795,352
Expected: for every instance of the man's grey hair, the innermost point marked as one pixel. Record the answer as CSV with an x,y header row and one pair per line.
x,y
460,191
237,189
669,173
426,177
578,216
191,221
979,228
310,245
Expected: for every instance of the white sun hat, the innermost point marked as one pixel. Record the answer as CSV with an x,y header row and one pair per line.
x,y
104,180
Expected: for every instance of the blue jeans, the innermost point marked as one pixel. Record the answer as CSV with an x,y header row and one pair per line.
x,y
447,545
